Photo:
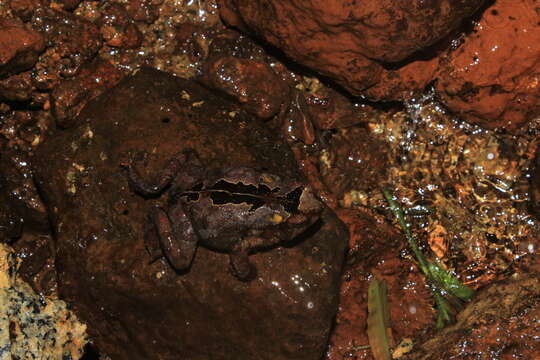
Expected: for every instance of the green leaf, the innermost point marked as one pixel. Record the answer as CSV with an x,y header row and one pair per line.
x,y
449,283
445,314
378,320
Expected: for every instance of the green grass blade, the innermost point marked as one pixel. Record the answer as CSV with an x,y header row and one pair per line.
x,y
440,279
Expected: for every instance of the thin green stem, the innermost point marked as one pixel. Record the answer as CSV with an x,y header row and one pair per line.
x,y
442,282
396,209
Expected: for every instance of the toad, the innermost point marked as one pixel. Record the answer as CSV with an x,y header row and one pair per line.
x,y
235,210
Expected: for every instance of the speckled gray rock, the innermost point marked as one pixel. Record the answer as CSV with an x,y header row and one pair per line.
x,y
33,326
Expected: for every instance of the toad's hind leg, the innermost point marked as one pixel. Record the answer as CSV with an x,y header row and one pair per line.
x,y
176,235
151,241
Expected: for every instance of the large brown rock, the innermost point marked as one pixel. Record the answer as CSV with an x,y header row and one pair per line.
x,y
348,40
493,79
138,309
488,73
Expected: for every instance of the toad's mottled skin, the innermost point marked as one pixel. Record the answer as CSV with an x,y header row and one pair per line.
x,y
233,210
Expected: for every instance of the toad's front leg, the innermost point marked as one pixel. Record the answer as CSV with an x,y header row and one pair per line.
x,y
241,267
176,235
166,177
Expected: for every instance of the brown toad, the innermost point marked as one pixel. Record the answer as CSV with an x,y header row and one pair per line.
x,y
233,210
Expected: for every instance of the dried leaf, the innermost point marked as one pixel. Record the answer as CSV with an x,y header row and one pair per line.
x,y
405,346
378,320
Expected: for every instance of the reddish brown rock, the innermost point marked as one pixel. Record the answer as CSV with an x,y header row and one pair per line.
x,y
72,40
502,322
70,96
137,308
143,10
345,40
250,82
25,8
493,79
490,76
19,47
117,28
237,66
69,4
16,88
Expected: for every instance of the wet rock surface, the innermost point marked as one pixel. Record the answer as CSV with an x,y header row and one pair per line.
x,y
118,29
70,96
19,47
487,71
16,88
25,8
18,191
493,79
354,161
240,68
465,189
35,252
344,40
376,250
491,328
136,308
72,41
330,109
250,82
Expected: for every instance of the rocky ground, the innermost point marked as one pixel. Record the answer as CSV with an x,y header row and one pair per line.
x,y
271,100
